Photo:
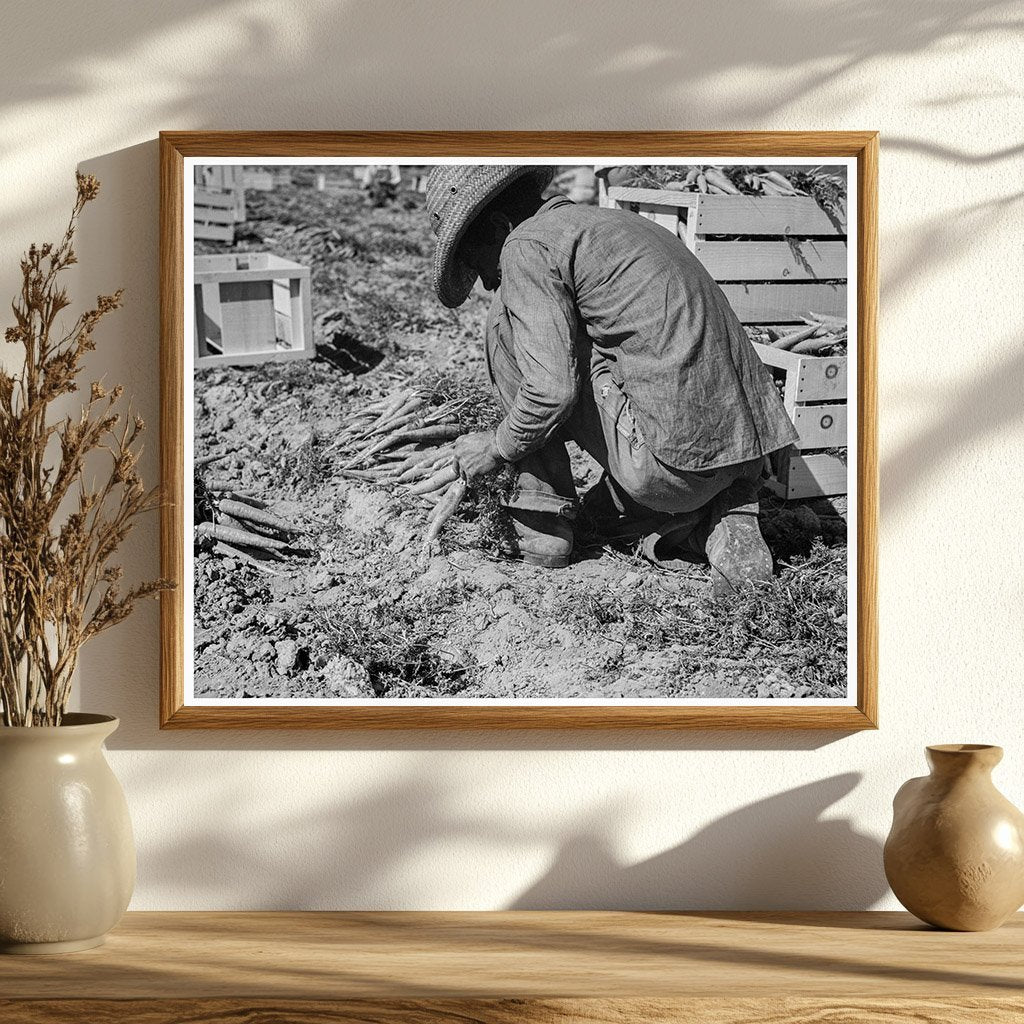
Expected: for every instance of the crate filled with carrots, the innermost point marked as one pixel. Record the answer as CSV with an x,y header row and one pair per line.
x,y
808,366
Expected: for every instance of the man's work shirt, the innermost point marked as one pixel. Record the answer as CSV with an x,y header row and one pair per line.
x,y
575,276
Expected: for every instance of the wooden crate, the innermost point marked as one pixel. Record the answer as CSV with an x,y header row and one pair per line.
x,y
815,398
785,256
251,308
257,179
213,215
218,202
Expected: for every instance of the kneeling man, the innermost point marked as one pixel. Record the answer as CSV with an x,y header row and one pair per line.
x,y
607,331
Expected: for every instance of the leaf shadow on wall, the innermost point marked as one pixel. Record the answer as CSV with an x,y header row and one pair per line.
x,y
405,844
979,408
778,853
329,64
318,64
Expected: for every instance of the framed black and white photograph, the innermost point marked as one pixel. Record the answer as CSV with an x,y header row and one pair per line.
x,y
519,430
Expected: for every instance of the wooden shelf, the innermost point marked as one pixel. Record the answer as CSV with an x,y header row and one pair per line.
x,y
426,968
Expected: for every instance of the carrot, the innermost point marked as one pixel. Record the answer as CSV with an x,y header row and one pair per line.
x,y
243,497
790,340
416,420
401,452
715,177
409,412
435,482
257,515
814,345
702,182
371,449
445,510
414,459
207,460
440,419
396,402
436,432
381,404
231,535
691,176
822,318
778,179
391,411
232,552
441,432
235,524
423,468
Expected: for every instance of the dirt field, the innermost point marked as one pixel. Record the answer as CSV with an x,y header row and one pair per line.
x,y
357,615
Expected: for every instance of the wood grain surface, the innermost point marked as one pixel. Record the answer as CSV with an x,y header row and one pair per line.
x,y
515,1011
524,966
175,146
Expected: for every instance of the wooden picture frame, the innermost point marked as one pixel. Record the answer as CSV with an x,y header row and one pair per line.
x,y
175,147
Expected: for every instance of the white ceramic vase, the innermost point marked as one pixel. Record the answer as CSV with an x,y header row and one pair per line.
x,y
67,855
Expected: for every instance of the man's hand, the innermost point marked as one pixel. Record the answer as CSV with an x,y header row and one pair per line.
x,y
476,455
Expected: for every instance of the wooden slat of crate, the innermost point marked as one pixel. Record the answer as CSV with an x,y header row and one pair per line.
x,y
662,216
302,315
812,476
221,203
757,215
224,182
821,379
806,259
207,311
213,215
248,266
214,232
820,426
261,181
773,302
248,322
808,378
657,196
283,355
217,177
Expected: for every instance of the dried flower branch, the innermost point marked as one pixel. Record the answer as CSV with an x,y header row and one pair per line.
x,y
57,588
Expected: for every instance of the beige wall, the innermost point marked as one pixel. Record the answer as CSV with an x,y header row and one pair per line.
x,y
633,820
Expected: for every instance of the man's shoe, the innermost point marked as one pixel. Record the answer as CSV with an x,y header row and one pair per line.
x,y
545,538
672,544
737,553
606,516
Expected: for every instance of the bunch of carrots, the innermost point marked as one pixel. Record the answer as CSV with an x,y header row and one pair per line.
x,y
714,181
231,522
822,333
406,441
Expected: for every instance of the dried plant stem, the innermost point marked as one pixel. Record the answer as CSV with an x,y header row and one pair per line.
x,y
58,588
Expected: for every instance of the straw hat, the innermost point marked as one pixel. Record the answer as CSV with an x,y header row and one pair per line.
x,y
456,193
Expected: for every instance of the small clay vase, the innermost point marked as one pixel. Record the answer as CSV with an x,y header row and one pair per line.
x,y
67,858
955,854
